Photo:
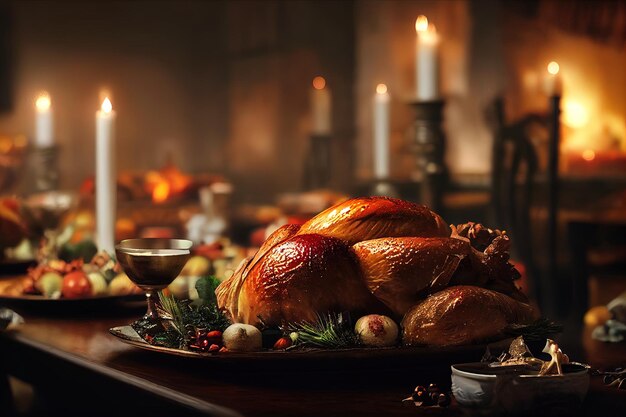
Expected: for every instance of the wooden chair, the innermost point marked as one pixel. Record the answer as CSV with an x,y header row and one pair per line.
x,y
514,166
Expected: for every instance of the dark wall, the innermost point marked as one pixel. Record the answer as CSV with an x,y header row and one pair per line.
x,y
222,85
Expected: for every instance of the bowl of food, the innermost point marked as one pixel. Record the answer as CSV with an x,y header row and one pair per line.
x,y
522,385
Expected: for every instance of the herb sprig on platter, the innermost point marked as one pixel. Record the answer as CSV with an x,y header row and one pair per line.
x,y
330,330
183,319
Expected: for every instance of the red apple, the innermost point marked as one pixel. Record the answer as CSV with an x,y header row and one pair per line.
x,y
76,285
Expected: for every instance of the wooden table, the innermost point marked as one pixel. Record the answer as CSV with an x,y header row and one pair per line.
x,y
79,369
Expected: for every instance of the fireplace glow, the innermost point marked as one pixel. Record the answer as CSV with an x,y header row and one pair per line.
x,y
161,191
575,115
588,155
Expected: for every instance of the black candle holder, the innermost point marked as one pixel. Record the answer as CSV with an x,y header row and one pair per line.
x,y
428,145
318,163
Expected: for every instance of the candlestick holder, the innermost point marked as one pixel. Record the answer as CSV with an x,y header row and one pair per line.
x,y
45,168
318,162
428,145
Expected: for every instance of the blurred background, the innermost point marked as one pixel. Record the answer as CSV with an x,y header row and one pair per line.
x,y
526,130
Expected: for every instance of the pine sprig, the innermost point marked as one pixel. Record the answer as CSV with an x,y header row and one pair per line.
x,y
172,310
326,331
207,316
536,331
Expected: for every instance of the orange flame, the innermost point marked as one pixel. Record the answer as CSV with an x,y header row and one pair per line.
x,y
421,23
553,67
161,191
319,83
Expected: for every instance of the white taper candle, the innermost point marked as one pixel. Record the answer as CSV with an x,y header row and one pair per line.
x,y
381,132
105,177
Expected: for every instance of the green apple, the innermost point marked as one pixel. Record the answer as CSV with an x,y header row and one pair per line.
x,y
98,283
49,284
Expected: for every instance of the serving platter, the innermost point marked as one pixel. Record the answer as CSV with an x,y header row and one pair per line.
x,y
128,335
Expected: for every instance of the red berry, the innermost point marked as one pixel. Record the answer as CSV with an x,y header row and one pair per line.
x,y
282,343
215,336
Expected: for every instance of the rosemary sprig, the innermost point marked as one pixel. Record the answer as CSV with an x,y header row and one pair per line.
x,y
171,309
326,331
537,331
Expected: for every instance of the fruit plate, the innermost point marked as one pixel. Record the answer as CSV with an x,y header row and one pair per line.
x,y
394,357
11,296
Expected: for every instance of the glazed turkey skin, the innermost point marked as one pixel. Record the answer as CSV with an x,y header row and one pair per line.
x,y
301,277
368,218
227,293
400,271
462,315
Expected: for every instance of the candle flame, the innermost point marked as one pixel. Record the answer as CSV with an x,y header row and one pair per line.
x,y
43,102
421,23
553,67
106,107
589,155
319,83
381,89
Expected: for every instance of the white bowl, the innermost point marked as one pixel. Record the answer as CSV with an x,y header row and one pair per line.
x,y
475,386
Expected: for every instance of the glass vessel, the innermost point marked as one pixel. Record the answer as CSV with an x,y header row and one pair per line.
x,y
152,264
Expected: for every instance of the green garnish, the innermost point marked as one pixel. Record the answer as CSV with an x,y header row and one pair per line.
x,y
326,331
537,331
182,318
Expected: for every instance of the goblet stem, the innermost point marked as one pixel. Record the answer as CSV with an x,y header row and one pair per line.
x,y
152,313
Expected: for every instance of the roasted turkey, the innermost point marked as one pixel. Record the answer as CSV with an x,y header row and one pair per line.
x,y
368,218
366,255
461,315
